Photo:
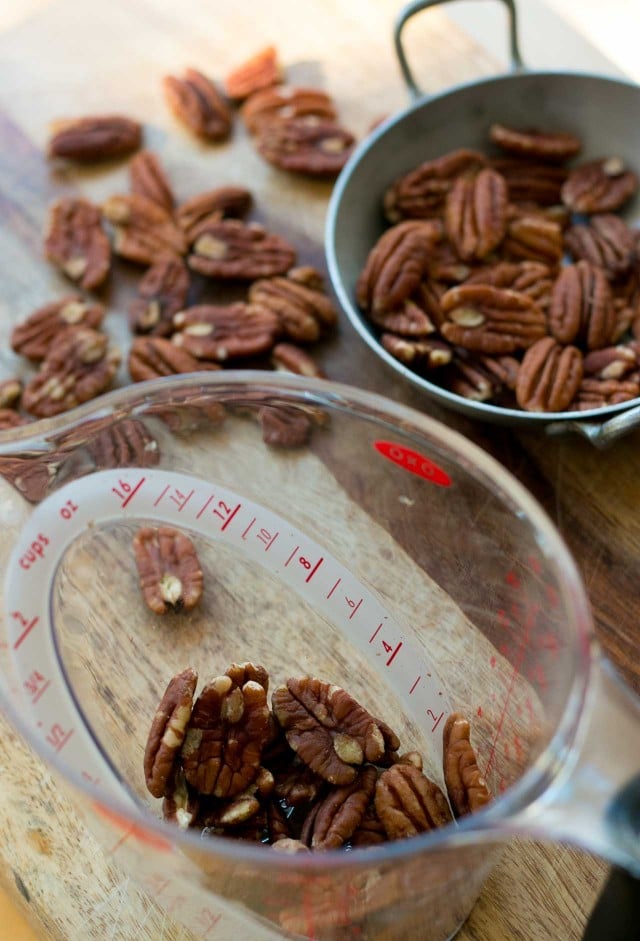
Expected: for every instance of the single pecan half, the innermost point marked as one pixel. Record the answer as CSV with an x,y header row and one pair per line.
x,y
327,728
407,802
194,215
309,145
466,787
161,293
541,145
153,357
224,738
167,731
298,300
197,104
422,352
34,336
78,367
395,265
238,250
110,443
297,785
76,243
549,376
600,393
599,186
476,213
284,427
260,71
181,804
220,333
532,278
422,193
470,379
10,392
611,362
581,307
144,232
286,357
533,237
281,103
410,320
98,137
340,813
242,673
168,568
606,241
33,477
529,181
491,320
147,178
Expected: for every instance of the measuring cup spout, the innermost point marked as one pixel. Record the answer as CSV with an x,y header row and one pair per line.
x,y
595,800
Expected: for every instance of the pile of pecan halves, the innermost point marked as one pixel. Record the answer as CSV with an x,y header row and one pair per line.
x,y
509,278
283,307
315,772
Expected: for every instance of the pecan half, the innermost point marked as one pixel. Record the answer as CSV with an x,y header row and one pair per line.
x,y
288,845
234,249
211,332
10,392
242,673
181,804
444,266
194,215
491,320
76,243
476,214
143,230
370,831
600,393
224,738
302,307
284,427
78,367
395,265
410,320
33,477
581,307
422,352
286,357
542,145
167,731
283,103
112,443
35,335
607,241
153,357
599,186
407,802
197,104
327,728
309,145
149,179
533,237
611,362
297,785
260,71
529,181
466,788
98,137
161,293
549,376
339,815
471,379
422,193
168,569
527,277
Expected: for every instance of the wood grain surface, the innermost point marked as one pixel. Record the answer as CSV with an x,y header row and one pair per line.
x,y
69,59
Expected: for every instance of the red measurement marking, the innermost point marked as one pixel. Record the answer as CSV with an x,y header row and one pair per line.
x,y
355,609
133,492
436,721
334,588
512,579
58,738
90,778
375,634
535,564
207,921
413,462
156,502
394,654
479,711
224,525
314,569
41,692
492,662
28,628
291,556
414,685
199,514
518,747
249,527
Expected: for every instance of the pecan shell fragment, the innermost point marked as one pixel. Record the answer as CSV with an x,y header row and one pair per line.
x,y
168,568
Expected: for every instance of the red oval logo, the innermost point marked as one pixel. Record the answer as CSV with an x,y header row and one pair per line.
x,y
413,462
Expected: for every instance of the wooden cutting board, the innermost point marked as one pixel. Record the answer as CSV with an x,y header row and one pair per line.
x,y
75,58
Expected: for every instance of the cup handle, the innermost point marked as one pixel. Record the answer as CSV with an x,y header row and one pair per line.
x,y
416,7
595,800
600,434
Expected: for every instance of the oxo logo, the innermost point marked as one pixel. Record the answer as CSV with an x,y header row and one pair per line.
x,y
413,462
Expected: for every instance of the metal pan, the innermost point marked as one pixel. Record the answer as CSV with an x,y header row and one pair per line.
x,y
603,112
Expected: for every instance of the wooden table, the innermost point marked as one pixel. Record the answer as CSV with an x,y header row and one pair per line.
x,y
73,58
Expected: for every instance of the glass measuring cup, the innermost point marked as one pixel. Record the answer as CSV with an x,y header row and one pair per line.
x,y
385,554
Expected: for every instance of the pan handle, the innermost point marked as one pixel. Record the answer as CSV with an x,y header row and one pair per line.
x,y
416,7
600,434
